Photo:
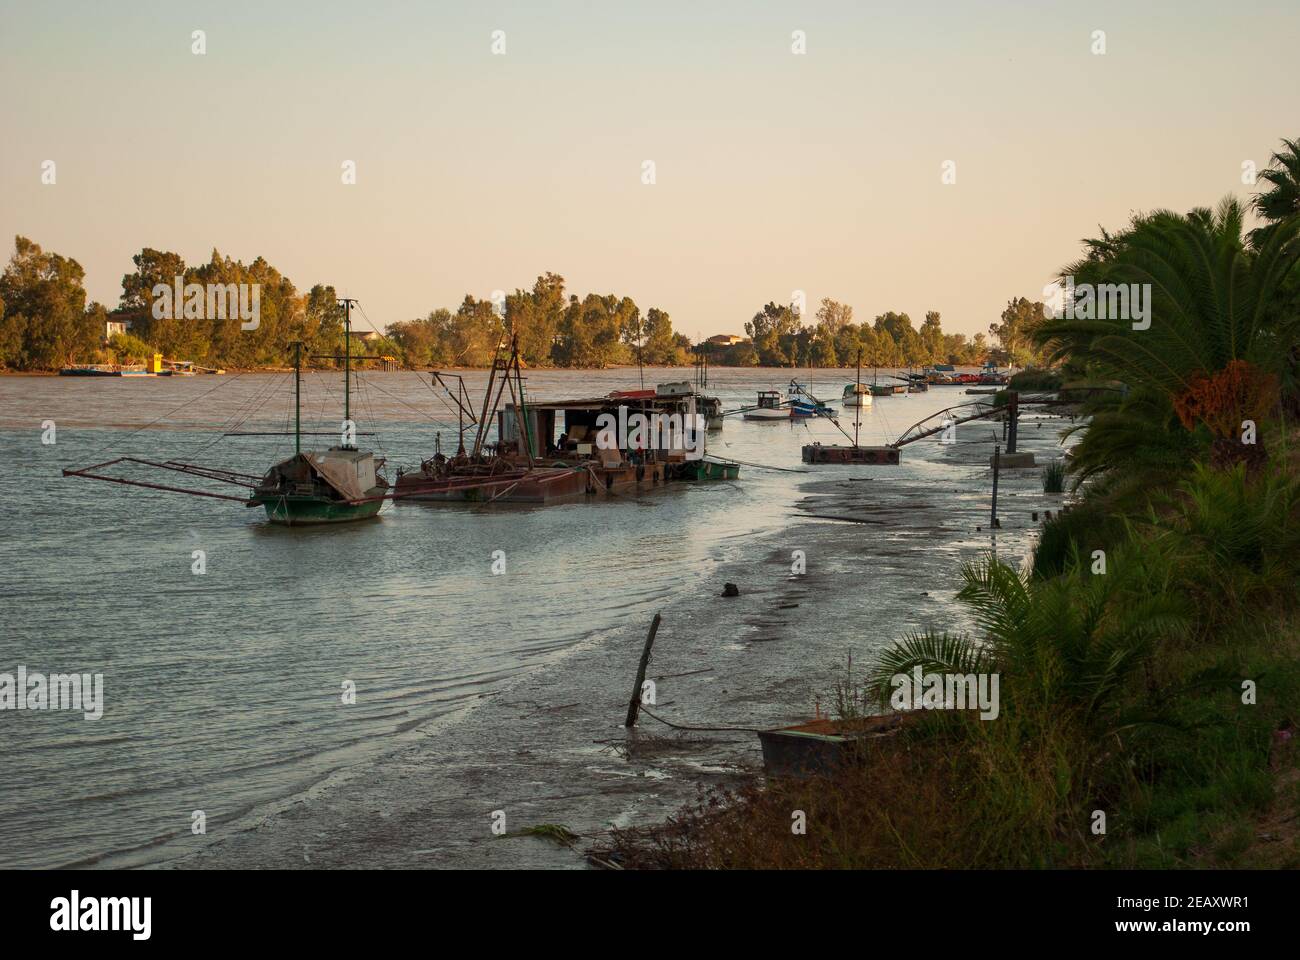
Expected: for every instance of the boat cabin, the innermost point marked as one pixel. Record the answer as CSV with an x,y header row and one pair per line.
x,y
568,429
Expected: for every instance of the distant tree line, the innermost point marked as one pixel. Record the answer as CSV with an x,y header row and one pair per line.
x,y
592,331
46,322
778,338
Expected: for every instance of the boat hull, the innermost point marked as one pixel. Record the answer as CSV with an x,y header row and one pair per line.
x,y
821,747
839,453
301,511
540,486
710,470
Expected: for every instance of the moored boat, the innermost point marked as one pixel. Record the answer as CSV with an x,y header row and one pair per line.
x,y
772,405
337,485
818,452
707,469
328,486
105,370
711,409
804,404
605,445
857,395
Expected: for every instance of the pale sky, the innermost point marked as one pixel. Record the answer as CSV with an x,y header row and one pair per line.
x,y
774,172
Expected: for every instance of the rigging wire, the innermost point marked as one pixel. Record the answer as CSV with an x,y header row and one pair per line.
x,y
117,440
445,402
242,413
423,413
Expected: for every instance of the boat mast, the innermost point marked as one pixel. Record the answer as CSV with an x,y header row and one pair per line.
x,y
297,396
857,400
347,359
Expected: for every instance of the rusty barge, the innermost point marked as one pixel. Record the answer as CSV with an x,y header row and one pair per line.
x,y
560,451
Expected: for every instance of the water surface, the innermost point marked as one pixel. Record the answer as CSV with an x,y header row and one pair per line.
x,y
224,690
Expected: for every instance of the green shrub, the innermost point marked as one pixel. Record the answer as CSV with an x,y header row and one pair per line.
x,y
1054,477
129,349
1036,380
1086,527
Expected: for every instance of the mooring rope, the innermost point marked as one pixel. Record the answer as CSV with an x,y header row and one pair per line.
x,y
760,466
678,726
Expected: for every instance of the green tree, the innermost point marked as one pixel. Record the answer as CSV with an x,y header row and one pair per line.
x,y
833,321
321,326
774,331
660,347
535,316
592,330
1021,319
154,267
44,326
932,339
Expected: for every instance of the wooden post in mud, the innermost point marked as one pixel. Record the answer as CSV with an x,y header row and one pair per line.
x,y
997,457
634,705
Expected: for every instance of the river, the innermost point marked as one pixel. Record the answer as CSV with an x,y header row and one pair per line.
x,y
224,690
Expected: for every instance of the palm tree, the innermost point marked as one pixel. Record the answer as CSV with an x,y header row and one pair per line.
x,y
1135,436
1215,342
1282,200
1069,643
1276,205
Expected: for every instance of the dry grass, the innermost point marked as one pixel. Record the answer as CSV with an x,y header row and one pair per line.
x,y
919,799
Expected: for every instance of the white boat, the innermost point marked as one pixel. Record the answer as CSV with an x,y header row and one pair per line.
x,y
857,395
771,406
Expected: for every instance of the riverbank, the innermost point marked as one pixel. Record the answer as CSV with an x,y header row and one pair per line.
x,y
1148,714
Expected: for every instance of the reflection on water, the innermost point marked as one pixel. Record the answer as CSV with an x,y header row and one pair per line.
x,y
225,690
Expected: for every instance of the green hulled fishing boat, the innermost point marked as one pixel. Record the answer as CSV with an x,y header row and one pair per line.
x,y
704,469
328,486
337,485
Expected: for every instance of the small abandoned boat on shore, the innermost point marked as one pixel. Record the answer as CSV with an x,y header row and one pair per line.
x,y
820,746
